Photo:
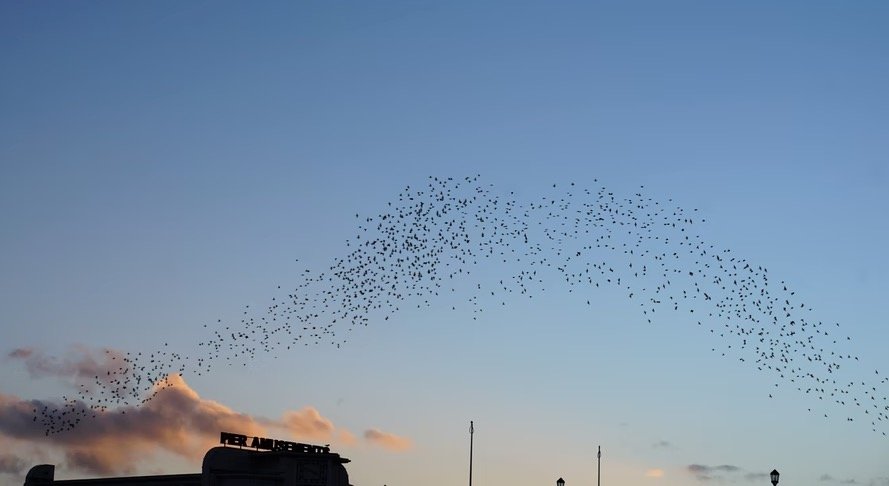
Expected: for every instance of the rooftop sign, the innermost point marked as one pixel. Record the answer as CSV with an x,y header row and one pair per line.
x,y
263,443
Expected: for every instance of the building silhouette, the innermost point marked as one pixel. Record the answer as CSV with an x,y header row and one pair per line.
x,y
241,461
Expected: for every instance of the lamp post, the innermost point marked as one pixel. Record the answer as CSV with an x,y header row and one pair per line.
x,y
560,482
774,474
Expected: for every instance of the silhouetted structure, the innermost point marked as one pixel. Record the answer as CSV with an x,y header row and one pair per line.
x,y
260,461
471,431
599,467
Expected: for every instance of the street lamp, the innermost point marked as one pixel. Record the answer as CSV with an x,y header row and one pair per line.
x,y
774,475
560,482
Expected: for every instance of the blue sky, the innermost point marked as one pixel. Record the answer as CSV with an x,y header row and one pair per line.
x,y
167,164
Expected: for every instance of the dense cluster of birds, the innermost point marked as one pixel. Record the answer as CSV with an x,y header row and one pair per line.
x,y
438,239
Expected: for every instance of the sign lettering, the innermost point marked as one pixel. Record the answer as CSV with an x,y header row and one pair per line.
x,y
266,444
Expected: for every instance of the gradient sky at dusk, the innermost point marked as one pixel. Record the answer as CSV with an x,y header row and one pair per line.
x,y
165,164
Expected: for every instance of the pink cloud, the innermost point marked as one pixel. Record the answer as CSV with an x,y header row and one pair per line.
x,y
177,421
346,438
308,423
387,440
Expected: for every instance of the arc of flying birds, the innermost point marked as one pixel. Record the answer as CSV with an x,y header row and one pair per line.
x,y
429,241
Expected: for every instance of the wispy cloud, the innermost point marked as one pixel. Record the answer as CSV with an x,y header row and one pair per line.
x,y
831,479
654,473
80,364
879,481
662,444
709,473
387,440
20,353
757,477
177,421
723,468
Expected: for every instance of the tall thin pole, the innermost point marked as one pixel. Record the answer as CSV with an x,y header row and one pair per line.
x,y
599,467
471,431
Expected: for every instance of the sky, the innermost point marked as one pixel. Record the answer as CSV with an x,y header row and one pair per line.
x,y
167,164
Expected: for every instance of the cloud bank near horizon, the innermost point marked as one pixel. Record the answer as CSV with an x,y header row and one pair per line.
x,y
177,422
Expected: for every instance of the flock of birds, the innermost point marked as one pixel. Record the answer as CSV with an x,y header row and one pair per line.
x,y
435,240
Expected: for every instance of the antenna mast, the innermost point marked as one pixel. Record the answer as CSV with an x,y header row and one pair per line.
x,y
598,467
471,431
